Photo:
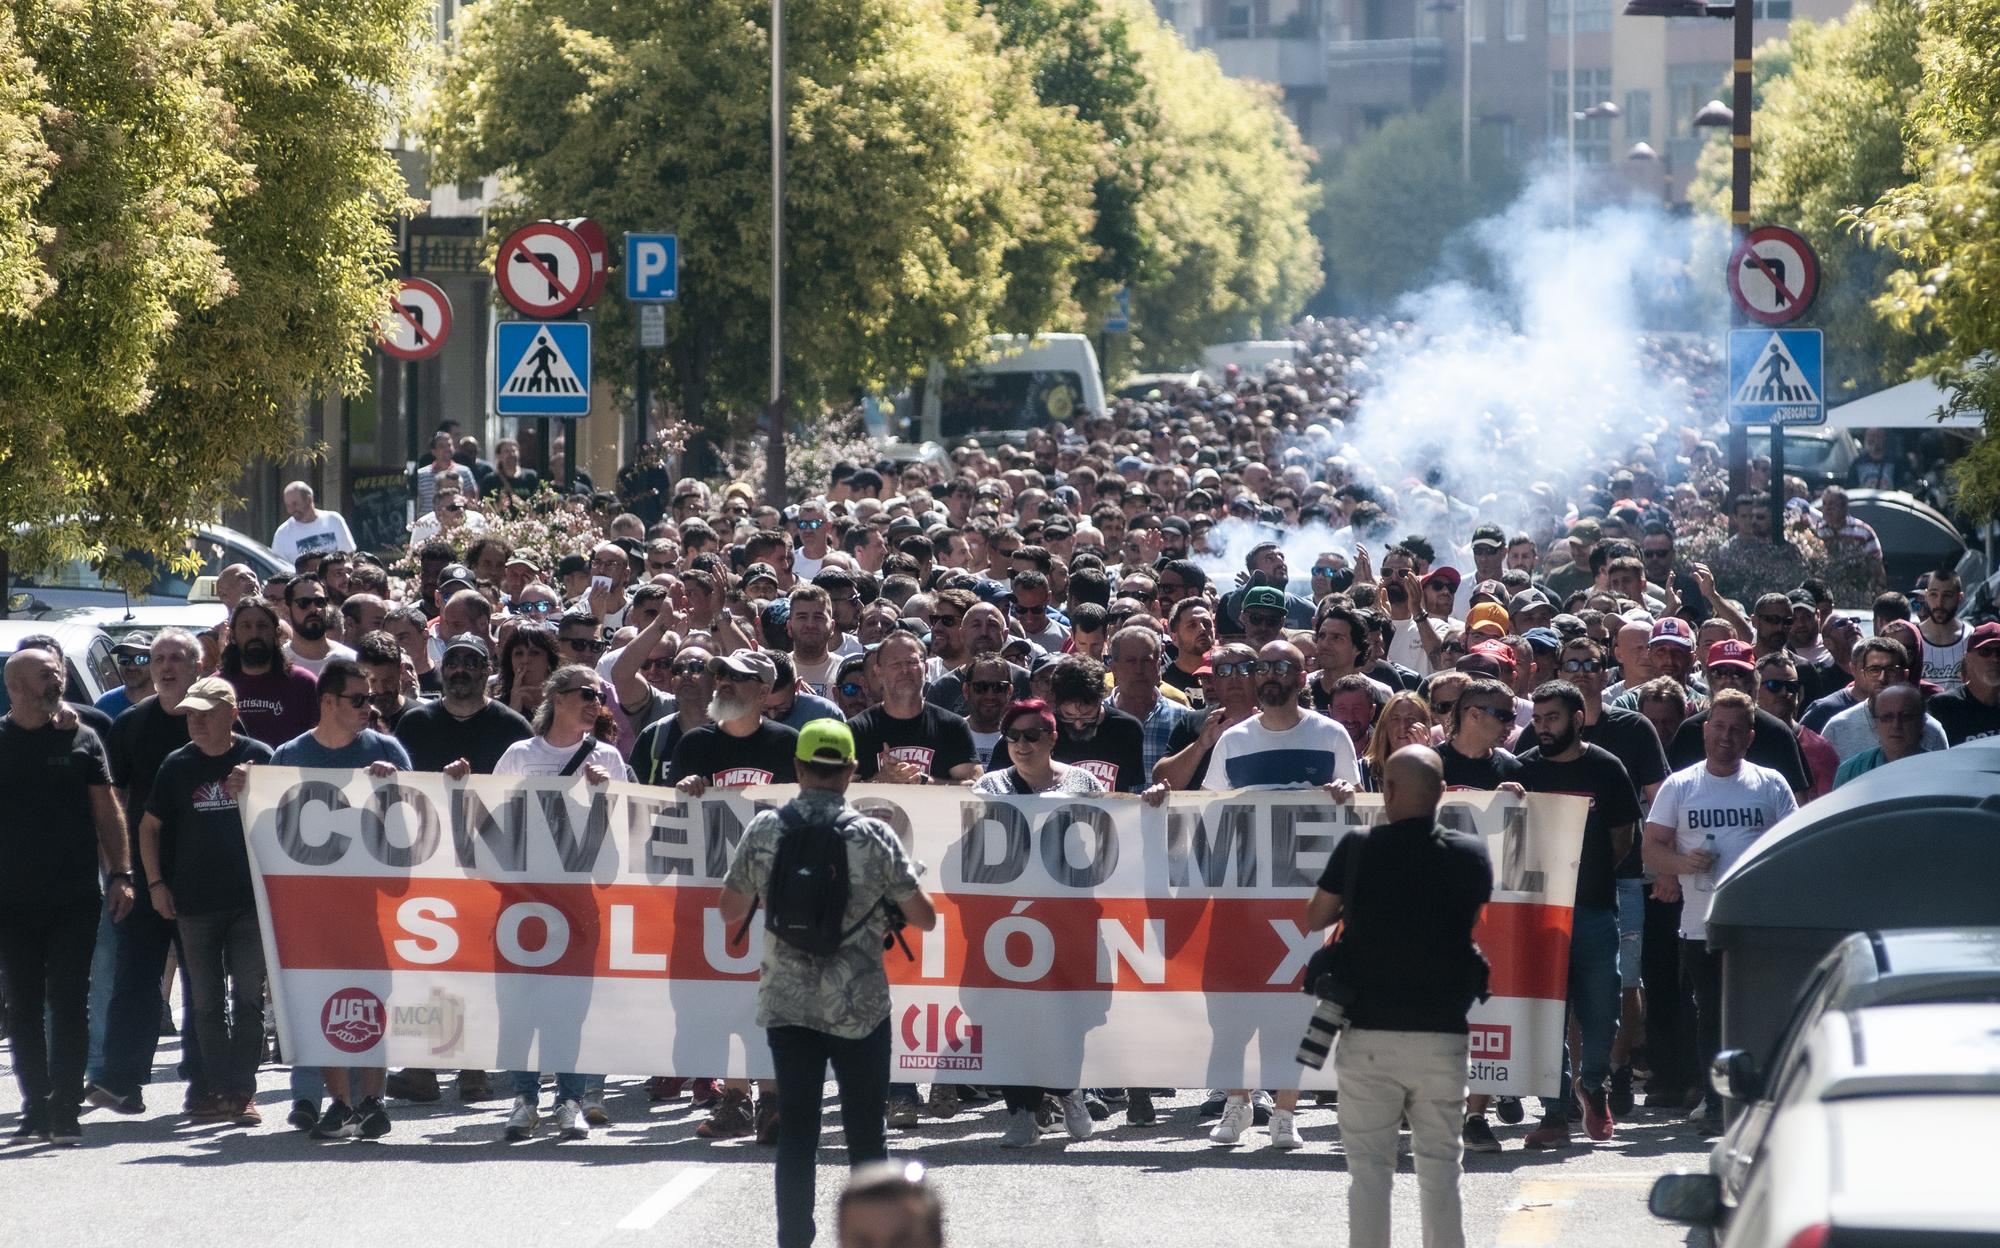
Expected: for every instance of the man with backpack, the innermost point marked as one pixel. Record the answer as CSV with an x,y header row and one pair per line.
x,y
834,885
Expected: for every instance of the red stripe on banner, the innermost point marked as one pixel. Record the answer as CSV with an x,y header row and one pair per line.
x,y
1130,944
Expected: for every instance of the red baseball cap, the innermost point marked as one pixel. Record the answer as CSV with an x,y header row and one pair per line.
x,y
1500,652
1442,576
1736,654
1983,636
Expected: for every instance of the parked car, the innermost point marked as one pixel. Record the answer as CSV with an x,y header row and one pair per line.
x,y
1865,969
147,617
74,583
1165,385
1819,455
1881,1132
93,671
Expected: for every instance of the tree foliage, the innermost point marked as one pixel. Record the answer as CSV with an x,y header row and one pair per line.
x,y
205,203
1397,198
1827,142
953,170
1944,224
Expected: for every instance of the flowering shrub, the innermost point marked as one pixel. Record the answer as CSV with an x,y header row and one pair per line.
x,y
813,446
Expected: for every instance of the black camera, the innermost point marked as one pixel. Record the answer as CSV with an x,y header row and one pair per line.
x,y
1326,981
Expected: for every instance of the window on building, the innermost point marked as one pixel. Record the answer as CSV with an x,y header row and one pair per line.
x,y
1558,17
1638,116
1593,134
1514,20
1772,10
1592,16
1688,88
1476,14
1430,19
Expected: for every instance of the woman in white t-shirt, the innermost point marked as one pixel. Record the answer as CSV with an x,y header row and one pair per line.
x,y
574,731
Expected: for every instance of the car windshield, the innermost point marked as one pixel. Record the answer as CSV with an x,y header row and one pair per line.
x,y
78,574
979,402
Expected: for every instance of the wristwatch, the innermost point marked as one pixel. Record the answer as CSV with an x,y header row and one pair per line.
x,y
120,875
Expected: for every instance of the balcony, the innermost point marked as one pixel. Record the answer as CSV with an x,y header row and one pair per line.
x,y
1387,75
1289,54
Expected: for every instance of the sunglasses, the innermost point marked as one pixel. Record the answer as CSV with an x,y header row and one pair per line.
x,y
945,621
587,693
811,526
852,689
1325,570
990,686
1582,665
134,660
359,701
1775,621
583,645
1445,707
658,665
1030,735
1020,610
1491,712
1276,667
1781,686
471,663
453,509
536,608
1265,619
1247,667
686,667
659,565
309,603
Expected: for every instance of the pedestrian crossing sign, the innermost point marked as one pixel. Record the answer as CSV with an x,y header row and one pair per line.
x,y
541,368
1777,377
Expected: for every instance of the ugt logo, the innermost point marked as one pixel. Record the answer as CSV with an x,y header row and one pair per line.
x,y
1491,1042
949,1040
351,1020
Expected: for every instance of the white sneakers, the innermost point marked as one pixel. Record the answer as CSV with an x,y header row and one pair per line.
x,y
1022,1130
1285,1130
1234,1122
522,1122
570,1122
1076,1116
1237,1117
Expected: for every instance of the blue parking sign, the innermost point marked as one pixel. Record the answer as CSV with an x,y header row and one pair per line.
x,y
1777,377
541,368
652,268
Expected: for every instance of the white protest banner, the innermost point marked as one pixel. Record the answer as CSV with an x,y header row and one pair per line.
x,y
541,924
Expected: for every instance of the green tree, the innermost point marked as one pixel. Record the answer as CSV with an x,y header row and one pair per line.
x,y
1944,225
1397,198
930,198
1827,142
212,240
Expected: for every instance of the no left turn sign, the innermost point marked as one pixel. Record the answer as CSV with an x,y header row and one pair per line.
x,y
419,320
544,270
1773,275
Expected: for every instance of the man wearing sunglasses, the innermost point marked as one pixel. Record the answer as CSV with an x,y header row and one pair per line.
x,y
815,537
134,653
305,610
1779,694
1771,619
341,740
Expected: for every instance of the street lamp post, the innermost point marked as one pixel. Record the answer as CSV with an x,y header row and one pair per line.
x,y
1600,111
1465,80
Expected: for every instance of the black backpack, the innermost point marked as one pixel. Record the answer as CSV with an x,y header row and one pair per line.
x,y
805,900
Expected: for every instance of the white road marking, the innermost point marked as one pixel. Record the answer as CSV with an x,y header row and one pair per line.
x,y
662,1202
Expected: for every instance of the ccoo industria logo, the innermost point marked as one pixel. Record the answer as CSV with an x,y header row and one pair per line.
x,y
938,1039
351,1020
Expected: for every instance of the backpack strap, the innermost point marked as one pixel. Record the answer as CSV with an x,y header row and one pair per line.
x,y
583,752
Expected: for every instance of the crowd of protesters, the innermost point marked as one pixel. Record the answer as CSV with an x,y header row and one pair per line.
x,y
1204,589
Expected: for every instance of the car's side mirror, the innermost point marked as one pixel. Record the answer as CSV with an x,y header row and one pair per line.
x,y
1691,1199
1735,1076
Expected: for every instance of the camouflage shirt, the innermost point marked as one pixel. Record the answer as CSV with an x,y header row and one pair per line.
x,y
846,994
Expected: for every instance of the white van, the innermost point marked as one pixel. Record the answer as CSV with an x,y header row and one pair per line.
x,y
1252,356
1023,384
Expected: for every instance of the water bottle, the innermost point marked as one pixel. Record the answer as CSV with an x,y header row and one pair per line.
x,y
1705,883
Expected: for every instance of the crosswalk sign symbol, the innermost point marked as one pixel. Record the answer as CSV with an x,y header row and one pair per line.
x,y
541,368
1777,377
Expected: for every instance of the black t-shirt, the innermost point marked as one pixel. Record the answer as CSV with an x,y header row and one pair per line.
x,y
767,756
95,720
434,736
202,857
1184,734
1486,774
1630,738
1774,745
1187,683
948,691
1964,717
1417,892
140,741
653,752
48,839
936,740
1115,754
1614,802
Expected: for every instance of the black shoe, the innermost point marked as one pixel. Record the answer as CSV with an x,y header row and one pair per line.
x,y
373,1119
64,1130
1621,1092
101,1097
474,1086
420,1086
304,1115
1508,1110
1139,1111
1479,1137
337,1123
1212,1107
34,1125
1094,1103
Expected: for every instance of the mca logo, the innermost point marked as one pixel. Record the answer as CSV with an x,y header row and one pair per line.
x,y
939,1039
1491,1042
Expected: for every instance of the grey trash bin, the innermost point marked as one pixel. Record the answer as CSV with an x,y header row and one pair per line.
x,y
1912,844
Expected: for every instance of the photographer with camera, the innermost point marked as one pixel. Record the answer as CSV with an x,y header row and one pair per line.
x,y
1396,985
833,885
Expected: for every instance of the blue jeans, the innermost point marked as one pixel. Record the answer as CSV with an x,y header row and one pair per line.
x,y
1631,930
569,1087
861,1068
1594,997
132,1025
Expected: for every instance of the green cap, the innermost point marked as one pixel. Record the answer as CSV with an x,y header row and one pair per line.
x,y
825,741
1264,598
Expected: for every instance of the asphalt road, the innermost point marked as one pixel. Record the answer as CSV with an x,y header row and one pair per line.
x,y
443,1178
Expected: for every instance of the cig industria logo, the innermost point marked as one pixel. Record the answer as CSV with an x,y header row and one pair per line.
x,y
935,1038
